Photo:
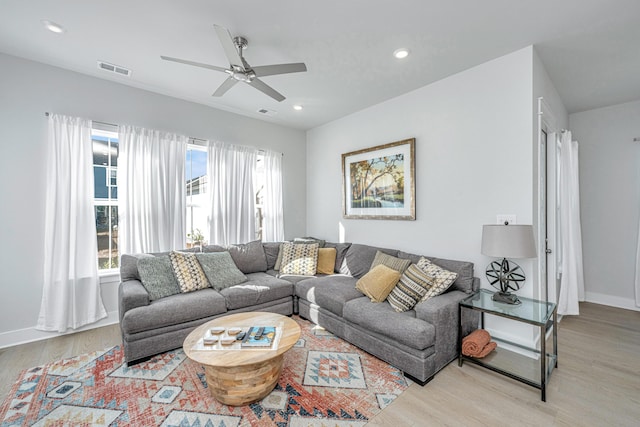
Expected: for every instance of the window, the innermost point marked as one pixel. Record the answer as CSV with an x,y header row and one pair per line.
x,y
105,178
197,195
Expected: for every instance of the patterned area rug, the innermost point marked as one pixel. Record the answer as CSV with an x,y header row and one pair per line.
x,y
325,382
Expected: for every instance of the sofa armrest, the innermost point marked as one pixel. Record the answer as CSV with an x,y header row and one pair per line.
x,y
442,313
131,294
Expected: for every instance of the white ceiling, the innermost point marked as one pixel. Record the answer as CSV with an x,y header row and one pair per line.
x,y
589,47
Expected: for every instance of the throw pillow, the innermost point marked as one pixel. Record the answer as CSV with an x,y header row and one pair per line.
x,y
249,257
378,282
156,275
220,270
396,263
299,259
320,242
341,250
188,271
439,278
326,260
412,286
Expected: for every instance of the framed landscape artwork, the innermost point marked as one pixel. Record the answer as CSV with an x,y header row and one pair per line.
x,y
379,182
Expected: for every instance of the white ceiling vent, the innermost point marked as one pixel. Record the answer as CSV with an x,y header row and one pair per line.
x,y
266,112
114,68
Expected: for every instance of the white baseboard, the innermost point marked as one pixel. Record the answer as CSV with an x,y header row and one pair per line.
x,y
26,335
613,301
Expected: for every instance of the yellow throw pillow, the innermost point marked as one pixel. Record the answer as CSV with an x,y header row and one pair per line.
x,y
378,282
326,260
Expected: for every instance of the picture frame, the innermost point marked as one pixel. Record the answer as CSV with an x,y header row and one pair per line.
x,y
379,182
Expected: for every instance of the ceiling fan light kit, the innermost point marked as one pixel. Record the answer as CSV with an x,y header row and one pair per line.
x,y
239,69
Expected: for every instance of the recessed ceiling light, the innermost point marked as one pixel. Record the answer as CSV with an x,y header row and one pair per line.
x,y
53,27
297,107
401,53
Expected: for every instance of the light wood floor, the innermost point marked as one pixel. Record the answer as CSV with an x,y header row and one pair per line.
x,y
597,382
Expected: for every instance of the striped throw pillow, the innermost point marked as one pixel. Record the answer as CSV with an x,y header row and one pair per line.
x,y
411,288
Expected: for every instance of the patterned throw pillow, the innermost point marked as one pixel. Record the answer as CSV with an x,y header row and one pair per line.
x,y
326,260
396,263
439,278
156,275
413,285
299,259
188,271
378,282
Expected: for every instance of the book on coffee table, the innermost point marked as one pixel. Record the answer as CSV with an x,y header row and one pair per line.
x,y
259,336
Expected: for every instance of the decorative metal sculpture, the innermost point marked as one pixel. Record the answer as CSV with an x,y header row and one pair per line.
x,y
505,276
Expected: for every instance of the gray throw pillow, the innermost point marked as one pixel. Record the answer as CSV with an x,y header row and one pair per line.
x,y
156,275
395,263
249,257
220,270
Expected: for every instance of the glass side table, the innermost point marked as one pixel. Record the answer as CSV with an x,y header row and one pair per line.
x,y
529,365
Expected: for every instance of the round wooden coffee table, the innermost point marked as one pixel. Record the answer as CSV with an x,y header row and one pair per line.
x,y
242,376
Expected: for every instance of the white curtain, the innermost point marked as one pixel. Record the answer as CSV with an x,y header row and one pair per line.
x,y
71,294
273,210
572,280
231,169
151,186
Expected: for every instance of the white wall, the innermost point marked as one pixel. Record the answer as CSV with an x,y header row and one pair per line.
x,y
474,160
609,200
29,89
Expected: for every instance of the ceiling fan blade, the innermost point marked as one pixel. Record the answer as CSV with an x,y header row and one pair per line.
x,y
229,47
266,89
270,70
225,86
195,64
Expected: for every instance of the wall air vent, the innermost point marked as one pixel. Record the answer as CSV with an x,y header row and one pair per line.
x,y
266,112
105,66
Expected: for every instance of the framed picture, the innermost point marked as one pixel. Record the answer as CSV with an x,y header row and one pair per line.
x,y
379,182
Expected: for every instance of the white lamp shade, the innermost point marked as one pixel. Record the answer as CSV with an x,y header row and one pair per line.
x,y
508,241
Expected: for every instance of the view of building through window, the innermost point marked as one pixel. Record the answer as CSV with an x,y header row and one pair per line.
x,y
105,176
197,195
105,181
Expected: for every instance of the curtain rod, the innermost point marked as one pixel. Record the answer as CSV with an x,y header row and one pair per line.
x,y
191,138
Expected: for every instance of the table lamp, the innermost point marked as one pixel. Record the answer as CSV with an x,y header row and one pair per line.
x,y
507,241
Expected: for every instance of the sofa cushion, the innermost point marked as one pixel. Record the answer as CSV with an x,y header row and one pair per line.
x,y
328,292
258,289
301,259
341,251
220,269
180,308
271,250
439,278
358,259
188,271
413,285
249,257
393,262
464,281
382,318
156,275
326,261
378,282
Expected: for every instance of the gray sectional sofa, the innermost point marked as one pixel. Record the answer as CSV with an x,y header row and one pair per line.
x,y
419,342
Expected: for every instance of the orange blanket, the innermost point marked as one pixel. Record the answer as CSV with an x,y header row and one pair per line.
x,y
478,344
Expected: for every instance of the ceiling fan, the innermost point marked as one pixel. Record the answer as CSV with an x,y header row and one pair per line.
x,y
239,69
